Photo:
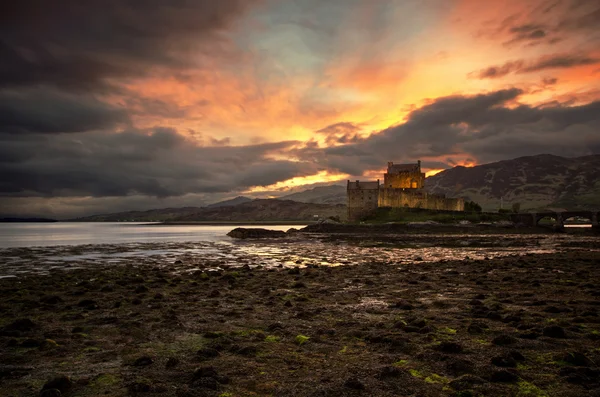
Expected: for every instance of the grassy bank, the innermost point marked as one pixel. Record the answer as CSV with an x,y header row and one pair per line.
x,y
405,215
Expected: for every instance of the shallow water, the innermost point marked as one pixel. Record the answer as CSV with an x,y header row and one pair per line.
x,y
78,233
220,252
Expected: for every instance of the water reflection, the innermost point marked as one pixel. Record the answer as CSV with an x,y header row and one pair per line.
x,y
80,233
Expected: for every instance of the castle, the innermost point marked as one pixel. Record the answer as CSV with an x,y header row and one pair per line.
x,y
403,187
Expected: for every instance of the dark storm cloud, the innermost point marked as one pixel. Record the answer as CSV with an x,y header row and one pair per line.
x,y
457,109
79,45
48,111
157,162
558,61
475,125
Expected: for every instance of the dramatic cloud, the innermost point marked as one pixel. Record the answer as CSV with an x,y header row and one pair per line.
x,y
563,61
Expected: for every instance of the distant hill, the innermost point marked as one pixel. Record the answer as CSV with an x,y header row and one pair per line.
x,y
253,210
334,194
533,181
266,210
158,215
228,203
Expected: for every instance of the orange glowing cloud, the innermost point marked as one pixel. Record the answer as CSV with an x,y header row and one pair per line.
x,y
320,177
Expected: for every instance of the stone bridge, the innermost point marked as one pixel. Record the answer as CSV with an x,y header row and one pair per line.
x,y
533,218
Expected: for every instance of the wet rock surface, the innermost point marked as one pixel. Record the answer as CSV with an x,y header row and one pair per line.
x,y
376,327
244,233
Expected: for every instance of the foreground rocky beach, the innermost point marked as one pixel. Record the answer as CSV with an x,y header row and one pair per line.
x,y
515,325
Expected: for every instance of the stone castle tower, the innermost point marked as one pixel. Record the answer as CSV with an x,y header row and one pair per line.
x,y
403,187
404,176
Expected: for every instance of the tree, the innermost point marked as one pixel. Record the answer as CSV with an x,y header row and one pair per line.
x,y
471,206
516,207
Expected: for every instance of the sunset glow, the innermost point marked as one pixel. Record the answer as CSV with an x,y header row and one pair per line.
x,y
433,172
289,184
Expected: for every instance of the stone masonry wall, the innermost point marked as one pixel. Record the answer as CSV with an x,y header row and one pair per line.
x,y
399,198
361,202
403,180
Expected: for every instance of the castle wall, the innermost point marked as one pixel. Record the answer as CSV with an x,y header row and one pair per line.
x,y
361,202
404,180
399,198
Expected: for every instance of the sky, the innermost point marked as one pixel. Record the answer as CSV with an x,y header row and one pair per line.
x,y
113,105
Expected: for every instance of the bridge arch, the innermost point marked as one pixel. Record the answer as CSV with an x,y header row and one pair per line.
x,y
585,215
551,217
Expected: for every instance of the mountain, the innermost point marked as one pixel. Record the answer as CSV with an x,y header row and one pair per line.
x,y
233,201
334,194
160,215
266,210
533,182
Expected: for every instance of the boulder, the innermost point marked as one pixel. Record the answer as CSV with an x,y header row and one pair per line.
x,y
244,233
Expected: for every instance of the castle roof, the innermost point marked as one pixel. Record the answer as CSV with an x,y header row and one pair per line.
x,y
374,185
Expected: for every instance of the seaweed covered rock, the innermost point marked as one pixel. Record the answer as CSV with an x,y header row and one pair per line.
x,y
244,233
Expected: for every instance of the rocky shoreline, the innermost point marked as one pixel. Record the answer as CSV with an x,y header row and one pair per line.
x,y
524,325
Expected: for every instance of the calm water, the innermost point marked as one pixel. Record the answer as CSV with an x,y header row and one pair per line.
x,y
78,233
42,248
